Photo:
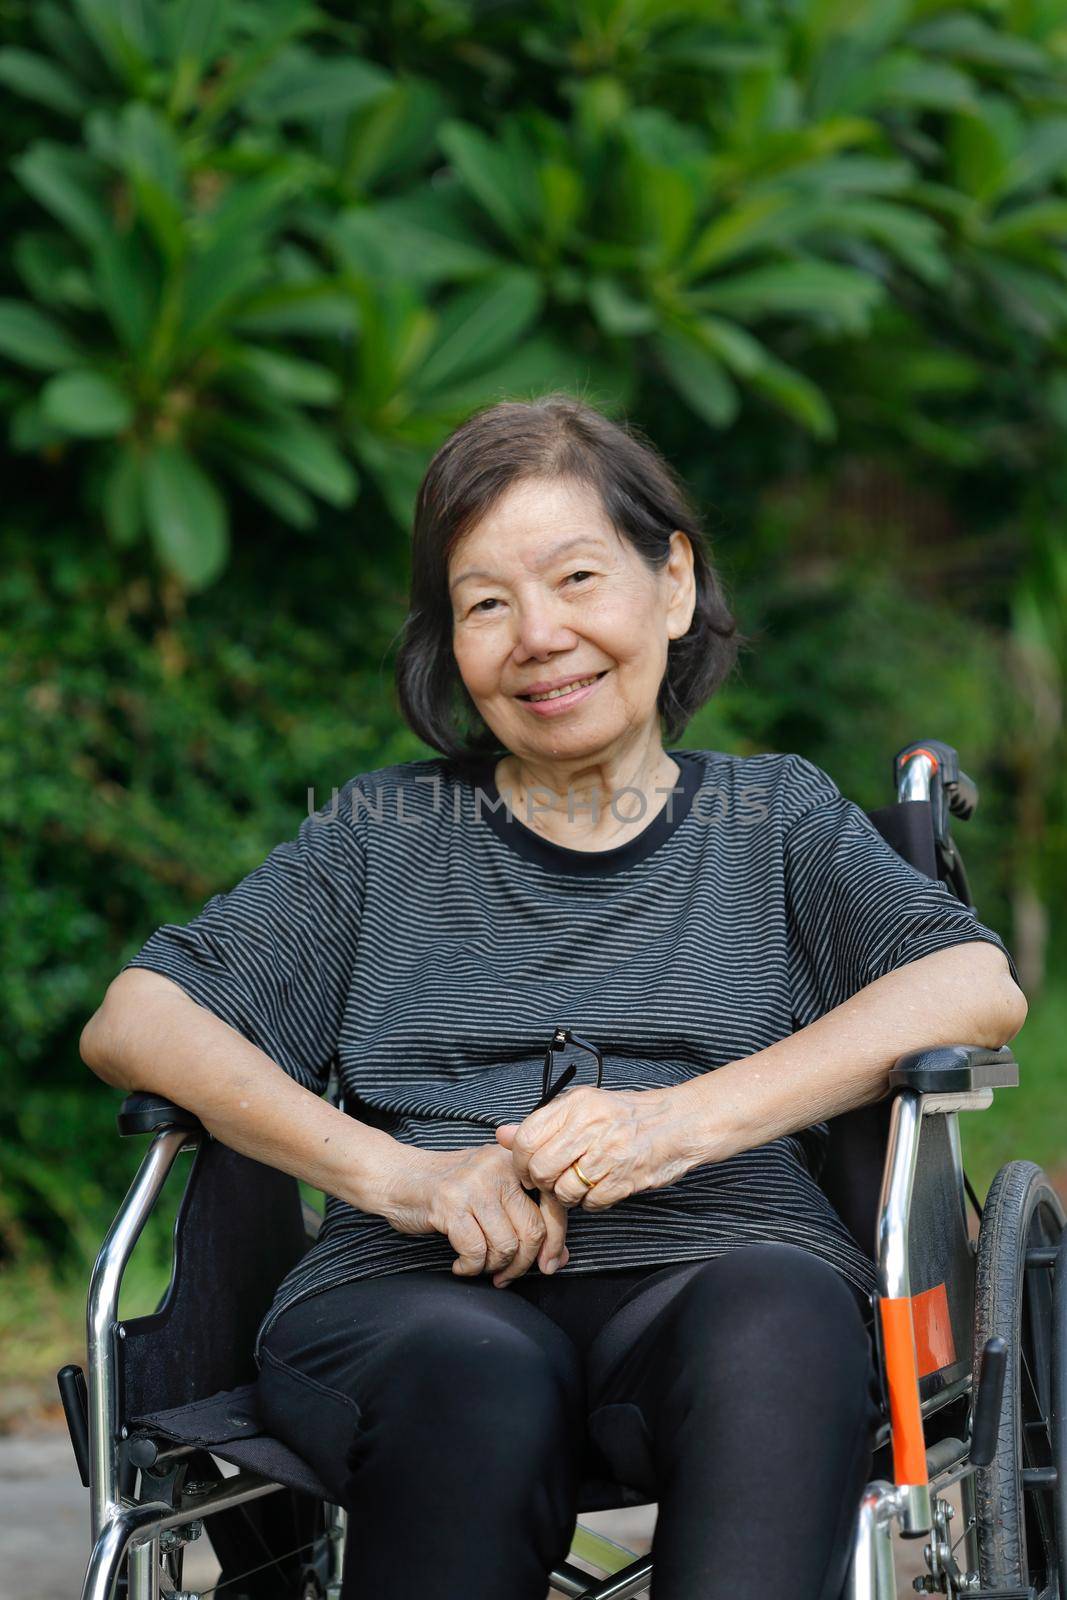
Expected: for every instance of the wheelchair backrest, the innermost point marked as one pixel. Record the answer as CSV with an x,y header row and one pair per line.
x,y
239,1229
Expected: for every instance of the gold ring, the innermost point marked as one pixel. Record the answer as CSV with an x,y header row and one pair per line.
x,y
589,1182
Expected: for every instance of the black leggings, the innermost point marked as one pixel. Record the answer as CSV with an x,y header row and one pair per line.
x,y
451,1418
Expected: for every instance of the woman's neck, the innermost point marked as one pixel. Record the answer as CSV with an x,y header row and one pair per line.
x,y
590,805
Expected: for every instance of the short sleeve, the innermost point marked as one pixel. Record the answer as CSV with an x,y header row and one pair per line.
x,y
856,909
273,957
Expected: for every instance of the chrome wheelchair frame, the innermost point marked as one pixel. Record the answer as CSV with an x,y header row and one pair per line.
x,y
945,1407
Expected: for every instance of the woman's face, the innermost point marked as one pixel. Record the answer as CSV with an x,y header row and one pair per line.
x,y
545,593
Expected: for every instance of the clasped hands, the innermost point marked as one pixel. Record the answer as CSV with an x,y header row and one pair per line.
x,y
626,1140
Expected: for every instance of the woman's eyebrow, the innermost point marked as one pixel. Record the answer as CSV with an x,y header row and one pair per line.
x,y
549,555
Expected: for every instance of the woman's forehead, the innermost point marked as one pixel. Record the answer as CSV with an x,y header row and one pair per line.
x,y
533,517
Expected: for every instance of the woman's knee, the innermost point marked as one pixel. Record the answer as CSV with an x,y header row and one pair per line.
x,y
486,1376
465,1389
770,1310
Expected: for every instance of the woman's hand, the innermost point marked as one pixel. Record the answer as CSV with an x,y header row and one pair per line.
x,y
474,1198
625,1140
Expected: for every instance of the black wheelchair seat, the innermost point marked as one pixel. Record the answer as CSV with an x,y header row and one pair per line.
x,y
228,1424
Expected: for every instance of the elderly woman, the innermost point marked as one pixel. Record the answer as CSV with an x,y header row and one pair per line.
x,y
640,1273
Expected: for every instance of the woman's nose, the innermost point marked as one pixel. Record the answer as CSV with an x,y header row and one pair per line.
x,y
541,628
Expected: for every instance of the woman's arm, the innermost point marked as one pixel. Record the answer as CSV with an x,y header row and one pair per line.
x,y
631,1140
148,1034
961,995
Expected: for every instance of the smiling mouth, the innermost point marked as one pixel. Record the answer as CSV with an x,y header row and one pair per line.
x,y
567,688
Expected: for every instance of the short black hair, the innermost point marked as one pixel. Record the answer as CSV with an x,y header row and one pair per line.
x,y
554,437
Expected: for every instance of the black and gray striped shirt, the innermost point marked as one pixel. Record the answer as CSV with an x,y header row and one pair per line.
x,y
426,945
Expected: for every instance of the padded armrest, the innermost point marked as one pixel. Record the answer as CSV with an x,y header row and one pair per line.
x,y
955,1069
151,1113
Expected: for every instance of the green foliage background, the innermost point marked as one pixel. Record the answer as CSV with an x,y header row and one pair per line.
x,y
263,256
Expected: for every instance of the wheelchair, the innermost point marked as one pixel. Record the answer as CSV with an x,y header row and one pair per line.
x,y
971,1336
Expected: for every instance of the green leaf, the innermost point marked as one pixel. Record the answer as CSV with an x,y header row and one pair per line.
x,y
318,308
665,213
217,284
915,239
734,345
796,395
186,516
67,183
34,340
290,377
251,209
300,86
905,78
291,444
489,174
956,445
395,136
122,499
617,310
126,278
124,35
50,265
664,141
1044,219
562,194
757,221
37,78
1032,299
802,288
151,159
940,372
967,37
424,235
983,147
67,42
269,29
537,364
278,494
195,28
477,325
701,381
844,174
87,404
398,469
28,430
232,243
397,331
1043,156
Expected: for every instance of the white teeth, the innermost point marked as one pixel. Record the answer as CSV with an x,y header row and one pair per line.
x,y
568,688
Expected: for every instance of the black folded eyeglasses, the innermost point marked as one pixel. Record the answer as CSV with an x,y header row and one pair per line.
x,y
586,1059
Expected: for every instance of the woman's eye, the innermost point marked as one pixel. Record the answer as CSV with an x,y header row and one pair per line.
x,y
480,603
579,575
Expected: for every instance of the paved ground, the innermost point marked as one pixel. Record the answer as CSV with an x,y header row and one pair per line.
x,y
44,1524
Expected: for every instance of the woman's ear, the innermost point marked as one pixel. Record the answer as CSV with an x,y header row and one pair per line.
x,y
682,588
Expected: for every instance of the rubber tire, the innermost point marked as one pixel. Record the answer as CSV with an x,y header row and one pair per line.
x,y
1017,1192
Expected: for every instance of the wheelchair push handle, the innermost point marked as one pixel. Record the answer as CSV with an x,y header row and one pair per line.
x,y
985,1417
939,775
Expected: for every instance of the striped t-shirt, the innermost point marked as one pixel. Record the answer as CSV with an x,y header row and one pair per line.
x,y
426,945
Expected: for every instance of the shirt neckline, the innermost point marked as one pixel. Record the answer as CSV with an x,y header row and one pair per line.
x,y
588,863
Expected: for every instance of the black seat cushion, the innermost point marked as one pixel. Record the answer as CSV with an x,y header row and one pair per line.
x,y
229,1425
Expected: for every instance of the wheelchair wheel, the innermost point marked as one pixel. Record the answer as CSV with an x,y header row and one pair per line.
x,y
1014,1520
